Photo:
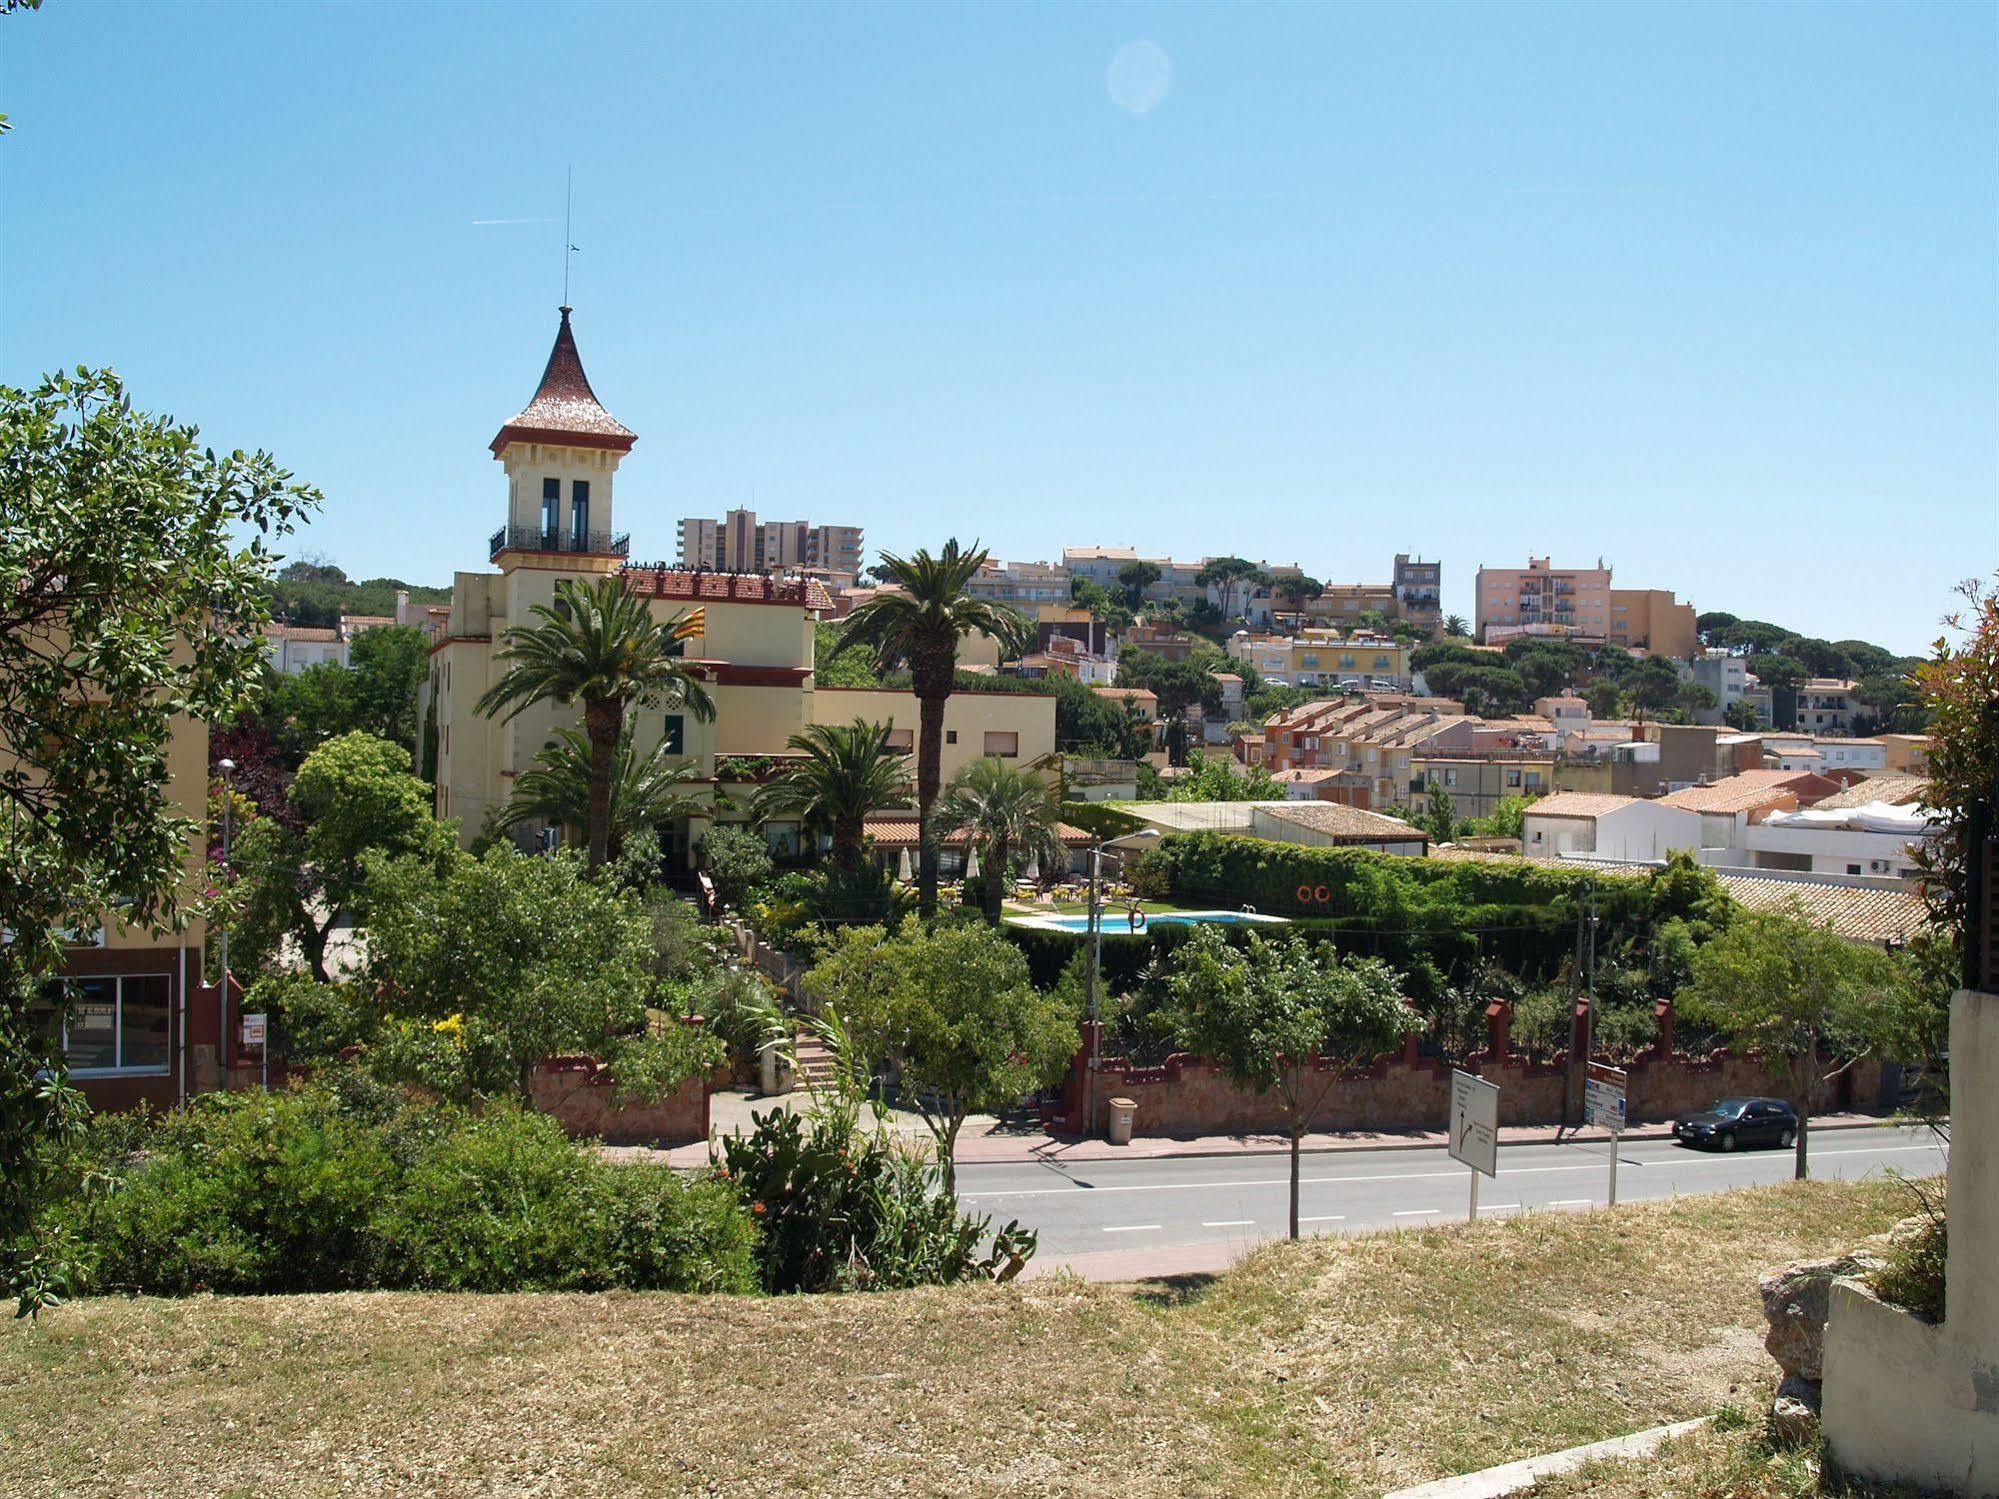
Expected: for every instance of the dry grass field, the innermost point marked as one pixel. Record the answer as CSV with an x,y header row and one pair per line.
x,y
1344,1366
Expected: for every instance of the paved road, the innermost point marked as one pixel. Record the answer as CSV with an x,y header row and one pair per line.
x,y
1093,1206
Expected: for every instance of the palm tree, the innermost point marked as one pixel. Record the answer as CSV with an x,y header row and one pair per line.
x,y
600,643
644,792
849,772
921,623
1455,627
1007,810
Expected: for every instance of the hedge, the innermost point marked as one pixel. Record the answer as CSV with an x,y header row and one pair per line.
x,y
1104,819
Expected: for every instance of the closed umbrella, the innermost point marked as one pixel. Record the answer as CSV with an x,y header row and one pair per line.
x,y
903,871
972,865
1032,873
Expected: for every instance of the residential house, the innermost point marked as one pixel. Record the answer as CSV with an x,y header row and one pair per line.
x,y
1419,588
1905,754
1826,705
1141,702
1326,658
750,645
1477,782
1730,806
1025,586
1624,828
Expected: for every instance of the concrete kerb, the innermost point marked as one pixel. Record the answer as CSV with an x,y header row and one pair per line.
x,y
1512,1478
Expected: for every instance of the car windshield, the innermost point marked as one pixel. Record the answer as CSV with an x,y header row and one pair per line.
x,y
1729,1106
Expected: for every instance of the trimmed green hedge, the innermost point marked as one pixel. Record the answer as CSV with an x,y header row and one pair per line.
x,y
1104,819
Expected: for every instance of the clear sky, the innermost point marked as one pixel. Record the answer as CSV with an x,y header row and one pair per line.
x,y
1709,291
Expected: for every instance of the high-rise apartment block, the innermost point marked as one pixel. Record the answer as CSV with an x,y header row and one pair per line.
x,y
1546,602
739,543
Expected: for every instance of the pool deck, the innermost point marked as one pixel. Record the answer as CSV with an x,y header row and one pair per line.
x,y
1115,921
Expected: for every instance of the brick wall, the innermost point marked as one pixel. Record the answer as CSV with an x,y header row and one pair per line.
x,y
1188,1096
579,1094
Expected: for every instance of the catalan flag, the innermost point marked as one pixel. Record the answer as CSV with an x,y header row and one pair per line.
x,y
694,622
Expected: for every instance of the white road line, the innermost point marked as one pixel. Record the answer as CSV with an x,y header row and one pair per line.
x,y
1236,1223
1568,1202
1326,1218
1497,1207
1131,1228
1456,1173
1417,1212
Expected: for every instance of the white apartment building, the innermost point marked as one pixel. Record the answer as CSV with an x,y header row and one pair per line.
x,y
1021,585
1726,676
1826,705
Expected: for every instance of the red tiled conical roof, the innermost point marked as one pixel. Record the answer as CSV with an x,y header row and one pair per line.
x,y
565,410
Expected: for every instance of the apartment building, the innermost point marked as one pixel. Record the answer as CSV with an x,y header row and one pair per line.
x,y
753,651
1478,782
1651,619
1419,593
1905,754
739,543
1826,705
1374,740
1541,599
1101,565
1326,658
1025,586
293,648
1726,676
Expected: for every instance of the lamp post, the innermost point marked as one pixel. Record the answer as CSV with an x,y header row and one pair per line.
x,y
1096,966
228,879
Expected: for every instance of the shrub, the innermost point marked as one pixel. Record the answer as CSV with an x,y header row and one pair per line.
x,y
737,861
310,1020
346,1184
1913,1277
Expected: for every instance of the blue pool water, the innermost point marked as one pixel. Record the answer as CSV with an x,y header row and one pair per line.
x,y
1115,921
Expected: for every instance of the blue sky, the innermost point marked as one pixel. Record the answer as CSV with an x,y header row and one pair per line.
x,y
1708,291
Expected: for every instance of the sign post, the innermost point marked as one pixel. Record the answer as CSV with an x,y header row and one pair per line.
x,y
1603,1106
1475,1128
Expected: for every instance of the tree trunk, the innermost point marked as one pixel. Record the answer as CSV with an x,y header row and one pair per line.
x,y
1804,1087
847,834
312,944
995,891
929,775
603,722
947,1155
1296,1138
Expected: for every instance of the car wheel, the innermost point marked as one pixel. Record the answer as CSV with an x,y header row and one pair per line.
x,y
1787,1138
1726,1140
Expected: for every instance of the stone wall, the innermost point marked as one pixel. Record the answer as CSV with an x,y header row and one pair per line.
x,y
580,1095
1189,1096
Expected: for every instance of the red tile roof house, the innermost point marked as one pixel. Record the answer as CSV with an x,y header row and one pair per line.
x,y
1728,806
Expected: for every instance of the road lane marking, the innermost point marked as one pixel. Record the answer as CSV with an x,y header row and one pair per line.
x,y
1683,1159
1417,1212
1131,1228
1235,1223
1568,1202
1326,1218
1497,1207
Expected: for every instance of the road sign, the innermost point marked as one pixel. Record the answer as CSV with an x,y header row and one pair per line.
x,y
1603,1097
1475,1122
253,1030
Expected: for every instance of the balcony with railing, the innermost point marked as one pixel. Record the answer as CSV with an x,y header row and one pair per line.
x,y
584,543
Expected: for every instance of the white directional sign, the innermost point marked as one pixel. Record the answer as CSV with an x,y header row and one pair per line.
x,y
1475,1122
253,1030
1603,1097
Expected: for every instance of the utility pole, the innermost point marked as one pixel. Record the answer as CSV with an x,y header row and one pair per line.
x,y
228,883
1095,969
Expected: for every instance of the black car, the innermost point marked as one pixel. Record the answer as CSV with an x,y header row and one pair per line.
x,y
1731,1122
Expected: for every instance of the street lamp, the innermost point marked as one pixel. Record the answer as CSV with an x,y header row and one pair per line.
x,y
228,878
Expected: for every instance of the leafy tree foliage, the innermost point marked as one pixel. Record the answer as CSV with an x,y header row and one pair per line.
x,y
354,796
737,860
127,601
1134,578
849,773
1799,992
1091,724
1218,778
1179,685
313,592
833,667
1266,1011
1960,687
953,1011
374,694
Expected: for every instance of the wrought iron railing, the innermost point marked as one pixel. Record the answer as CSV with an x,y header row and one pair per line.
x,y
534,539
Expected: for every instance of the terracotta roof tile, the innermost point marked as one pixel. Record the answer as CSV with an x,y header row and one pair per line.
x,y
1590,804
1897,791
1343,821
1747,791
565,410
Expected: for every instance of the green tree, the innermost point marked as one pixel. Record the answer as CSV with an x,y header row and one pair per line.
x,y
387,664
1178,685
1799,993
921,624
1604,697
1279,1015
598,644
1228,576
953,1010
1694,699
1008,812
849,771
301,710
1107,608
1089,723
536,959
646,790
1741,715
738,861
833,667
1298,590
1960,687
1652,686
133,569
1217,778
1507,819
1134,578
356,795
1456,628
1439,817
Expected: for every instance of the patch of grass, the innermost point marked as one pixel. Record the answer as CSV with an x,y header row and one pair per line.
x,y
1338,1366
1730,1459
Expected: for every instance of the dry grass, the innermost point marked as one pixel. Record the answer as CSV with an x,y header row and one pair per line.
x,y
1340,1366
1729,1460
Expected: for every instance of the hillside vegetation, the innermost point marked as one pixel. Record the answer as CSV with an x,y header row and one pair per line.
x,y
1342,1366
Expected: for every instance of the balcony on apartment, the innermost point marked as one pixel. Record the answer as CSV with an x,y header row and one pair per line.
x,y
583,543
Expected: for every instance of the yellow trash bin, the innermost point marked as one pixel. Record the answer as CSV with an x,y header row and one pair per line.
x,y
1123,1112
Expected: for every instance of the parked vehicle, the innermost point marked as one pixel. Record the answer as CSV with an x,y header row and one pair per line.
x,y
1730,1123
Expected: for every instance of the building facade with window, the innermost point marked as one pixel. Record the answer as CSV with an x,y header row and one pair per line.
x,y
740,543
752,649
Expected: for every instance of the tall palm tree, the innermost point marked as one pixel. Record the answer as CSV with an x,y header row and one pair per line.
x,y
598,643
849,772
1006,810
1455,627
921,623
645,791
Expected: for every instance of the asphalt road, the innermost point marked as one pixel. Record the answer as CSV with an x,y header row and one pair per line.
x,y
1088,1207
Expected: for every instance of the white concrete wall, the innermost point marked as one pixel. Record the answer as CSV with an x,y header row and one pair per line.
x,y
1906,1401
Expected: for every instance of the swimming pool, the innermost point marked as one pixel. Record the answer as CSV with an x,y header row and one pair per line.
x,y
1115,921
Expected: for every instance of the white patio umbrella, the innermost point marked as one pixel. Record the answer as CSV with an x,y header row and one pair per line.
x,y
1032,874
903,869
972,865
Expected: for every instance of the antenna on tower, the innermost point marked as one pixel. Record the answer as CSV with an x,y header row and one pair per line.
x,y
568,249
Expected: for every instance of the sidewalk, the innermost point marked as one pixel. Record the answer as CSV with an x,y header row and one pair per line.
x,y
984,1141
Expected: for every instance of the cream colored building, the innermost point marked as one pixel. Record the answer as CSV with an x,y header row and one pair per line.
x,y
754,653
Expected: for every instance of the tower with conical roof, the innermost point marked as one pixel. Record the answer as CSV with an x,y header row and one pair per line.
x,y
561,453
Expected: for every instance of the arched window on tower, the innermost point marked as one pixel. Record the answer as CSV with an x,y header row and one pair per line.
x,y
551,512
579,515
